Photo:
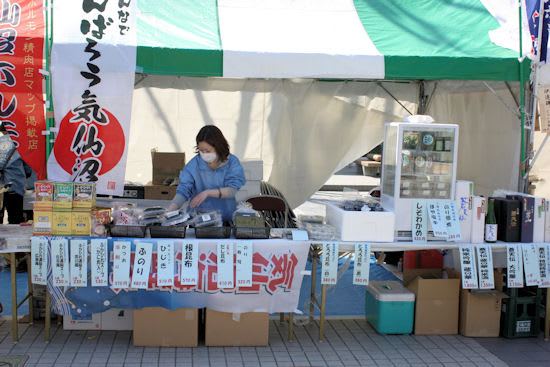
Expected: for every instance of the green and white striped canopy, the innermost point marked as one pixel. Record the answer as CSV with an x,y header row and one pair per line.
x,y
344,39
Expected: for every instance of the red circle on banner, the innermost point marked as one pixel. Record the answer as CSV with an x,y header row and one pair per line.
x,y
110,134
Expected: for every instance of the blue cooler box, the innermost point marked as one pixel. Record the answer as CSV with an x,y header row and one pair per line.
x,y
389,307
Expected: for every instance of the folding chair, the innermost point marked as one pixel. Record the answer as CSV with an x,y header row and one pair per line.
x,y
272,207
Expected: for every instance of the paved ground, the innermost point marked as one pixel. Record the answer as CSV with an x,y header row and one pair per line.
x,y
350,342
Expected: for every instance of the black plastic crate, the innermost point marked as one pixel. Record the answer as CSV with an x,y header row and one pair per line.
x,y
167,231
252,232
119,230
520,313
213,232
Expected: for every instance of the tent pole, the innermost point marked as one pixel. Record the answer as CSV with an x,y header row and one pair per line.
x,y
49,104
522,186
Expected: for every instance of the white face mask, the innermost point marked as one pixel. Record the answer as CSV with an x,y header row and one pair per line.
x,y
208,157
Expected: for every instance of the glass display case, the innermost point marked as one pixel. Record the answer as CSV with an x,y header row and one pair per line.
x,y
418,162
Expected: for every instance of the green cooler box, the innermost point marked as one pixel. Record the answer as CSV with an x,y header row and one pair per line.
x,y
389,307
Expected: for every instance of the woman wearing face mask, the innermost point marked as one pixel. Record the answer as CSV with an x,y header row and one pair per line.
x,y
211,179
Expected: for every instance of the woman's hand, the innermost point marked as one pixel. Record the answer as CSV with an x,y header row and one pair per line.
x,y
197,200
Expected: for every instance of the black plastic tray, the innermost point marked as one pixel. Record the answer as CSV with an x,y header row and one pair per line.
x,y
167,231
119,230
252,232
213,232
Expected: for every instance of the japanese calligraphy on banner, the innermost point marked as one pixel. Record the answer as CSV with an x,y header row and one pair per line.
x,y
419,221
468,266
93,64
21,101
514,263
485,265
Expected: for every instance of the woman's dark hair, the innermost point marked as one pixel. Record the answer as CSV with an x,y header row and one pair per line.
x,y
212,135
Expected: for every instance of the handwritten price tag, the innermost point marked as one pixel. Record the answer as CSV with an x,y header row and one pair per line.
x,y
142,265
244,263
39,258
121,264
99,263
329,269
362,264
468,266
189,263
485,264
165,263
514,260
79,263
60,262
419,221
225,265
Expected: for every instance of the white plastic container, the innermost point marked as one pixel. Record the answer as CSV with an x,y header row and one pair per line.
x,y
361,226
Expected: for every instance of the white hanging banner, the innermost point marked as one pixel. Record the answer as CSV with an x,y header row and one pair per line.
x,y
165,263
468,266
99,264
60,262
79,263
142,265
419,221
329,269
122,251
544,264
189,263
485,265
39,265
93,64
225,265
531,264
244,263
514,264
361,267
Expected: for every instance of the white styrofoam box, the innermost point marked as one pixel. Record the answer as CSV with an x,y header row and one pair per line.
x,y
82,322
539,220
117,319
464,190
361,226
250,188
253,169
547,222
479,209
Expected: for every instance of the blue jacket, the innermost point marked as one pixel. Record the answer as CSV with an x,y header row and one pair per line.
x,y
197,176
15,170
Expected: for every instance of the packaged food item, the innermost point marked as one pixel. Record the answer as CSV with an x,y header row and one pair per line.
x,y
84,195
42,222
320,232
427,141
63,195
43,191
81,223
61,223
99,218
206,219
125,214
406,162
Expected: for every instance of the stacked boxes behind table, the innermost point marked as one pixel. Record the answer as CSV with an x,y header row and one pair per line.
x,y
231,330
253,172
389,307
159,327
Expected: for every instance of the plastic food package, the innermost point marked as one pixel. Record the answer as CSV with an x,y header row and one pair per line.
x,y
125,214
99,220
206,218
180,219
152,212
320,232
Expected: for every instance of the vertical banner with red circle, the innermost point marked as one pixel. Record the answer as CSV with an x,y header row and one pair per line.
x,y
21,101
93,66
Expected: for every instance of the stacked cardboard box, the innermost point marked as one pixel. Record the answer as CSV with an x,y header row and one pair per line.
x,y
159,327
166,171
231,330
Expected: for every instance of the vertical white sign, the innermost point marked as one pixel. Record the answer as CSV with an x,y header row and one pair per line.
x,y
99,265
434,213
39,266
60,262
225,265
244,263
361,267
142,265
79,263
468,266
452,223
531,264
514,260
165,263
419,221
329,269
485,266
544,264
122,251
189,274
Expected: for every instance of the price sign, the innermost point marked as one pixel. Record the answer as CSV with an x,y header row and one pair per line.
x,y
435,215
244,263
99,263
361,267
452,224
79,263
39,256
329,269
60,262
189,263
122,251
544,264
225,265
299,235
514,260
485,265
419,221
531,264
165,263
142,265
468,266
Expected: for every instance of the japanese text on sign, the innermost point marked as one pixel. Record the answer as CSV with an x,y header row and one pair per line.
x,y
485,264
514,260
79,263
39,267
329,268
362,264
142,265
225,265
165,263
419,221
468,266
244,263
189,263
122,251
99,263
60,262
531,264
544,265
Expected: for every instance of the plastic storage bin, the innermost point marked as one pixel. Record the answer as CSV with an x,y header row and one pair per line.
x,y
389,307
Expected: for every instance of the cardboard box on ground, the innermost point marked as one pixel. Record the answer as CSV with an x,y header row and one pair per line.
x,y
159,327
226,329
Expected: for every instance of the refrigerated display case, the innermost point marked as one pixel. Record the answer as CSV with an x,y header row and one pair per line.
x,y
418,162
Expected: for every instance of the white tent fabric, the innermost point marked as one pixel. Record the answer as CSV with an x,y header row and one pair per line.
x,y
305,130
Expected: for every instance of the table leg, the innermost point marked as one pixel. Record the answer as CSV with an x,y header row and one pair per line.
x,y
314,258
322,316
29,282
14,326
291,326
48,317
